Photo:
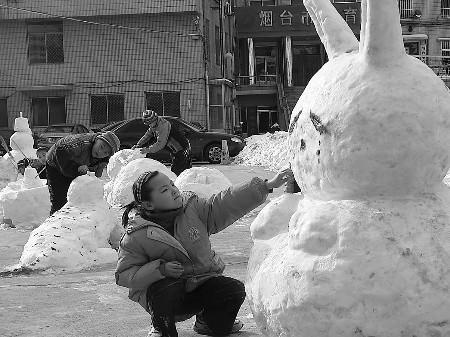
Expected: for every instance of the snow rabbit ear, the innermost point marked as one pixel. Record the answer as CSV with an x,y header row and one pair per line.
x,y
335,34
381,32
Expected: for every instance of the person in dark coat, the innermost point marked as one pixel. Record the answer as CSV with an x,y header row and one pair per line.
x,y
167,137
75,155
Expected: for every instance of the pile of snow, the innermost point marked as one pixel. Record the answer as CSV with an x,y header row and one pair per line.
x,y
269,150
120,190
75,237
26,201
203,181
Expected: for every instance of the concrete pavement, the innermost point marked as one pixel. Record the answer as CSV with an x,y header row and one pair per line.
x,y
89,303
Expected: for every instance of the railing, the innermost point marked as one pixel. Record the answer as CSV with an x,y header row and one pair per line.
x,y
445,12
439,64
261,80
406,8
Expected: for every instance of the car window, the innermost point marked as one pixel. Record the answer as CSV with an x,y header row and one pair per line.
x,y
59,128
133,126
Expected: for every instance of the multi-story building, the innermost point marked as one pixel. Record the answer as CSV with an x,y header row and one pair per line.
x,y
99,61
426,33
279,51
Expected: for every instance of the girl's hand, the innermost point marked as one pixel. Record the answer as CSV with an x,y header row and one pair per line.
x,y
172,269
83,169
144,150
280,178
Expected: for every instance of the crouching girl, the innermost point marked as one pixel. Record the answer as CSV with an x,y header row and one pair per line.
x,y
165,256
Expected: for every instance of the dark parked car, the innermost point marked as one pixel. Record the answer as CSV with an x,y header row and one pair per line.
x,y
57,131
206,146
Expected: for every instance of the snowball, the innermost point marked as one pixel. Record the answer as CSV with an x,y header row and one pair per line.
x,y
75,237
121,189
203,181
269,150
22,146
274,217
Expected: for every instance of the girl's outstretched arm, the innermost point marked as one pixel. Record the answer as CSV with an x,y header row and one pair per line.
x,y
224,208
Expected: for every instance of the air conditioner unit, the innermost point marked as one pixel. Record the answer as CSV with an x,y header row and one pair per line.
x,y
228,9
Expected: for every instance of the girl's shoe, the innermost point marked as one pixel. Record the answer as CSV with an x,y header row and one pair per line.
x,y
201,328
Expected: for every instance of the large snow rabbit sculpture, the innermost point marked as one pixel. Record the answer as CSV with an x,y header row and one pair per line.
x,y
367,252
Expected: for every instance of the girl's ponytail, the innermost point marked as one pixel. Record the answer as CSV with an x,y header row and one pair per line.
x,y
127,209
140,193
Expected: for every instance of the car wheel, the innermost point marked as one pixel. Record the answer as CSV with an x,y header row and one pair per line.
x,y
213,153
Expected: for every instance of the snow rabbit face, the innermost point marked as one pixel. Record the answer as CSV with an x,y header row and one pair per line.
x,y
373,121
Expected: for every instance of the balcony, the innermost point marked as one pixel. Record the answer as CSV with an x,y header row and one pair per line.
x,y
259,84
258,80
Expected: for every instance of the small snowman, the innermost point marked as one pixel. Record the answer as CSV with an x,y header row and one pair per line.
x,y
367,250
21,141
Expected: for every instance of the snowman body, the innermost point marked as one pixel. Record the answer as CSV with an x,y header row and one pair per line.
x,y
367,251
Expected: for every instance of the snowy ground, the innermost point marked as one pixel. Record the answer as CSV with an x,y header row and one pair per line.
x,y
89,303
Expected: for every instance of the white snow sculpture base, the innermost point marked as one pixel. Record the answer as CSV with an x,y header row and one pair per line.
x,y
75,237
356,268
27,201
203,181
121,192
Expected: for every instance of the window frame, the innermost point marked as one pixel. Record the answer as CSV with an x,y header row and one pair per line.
x,y
162,93
107,108
47,98
45,29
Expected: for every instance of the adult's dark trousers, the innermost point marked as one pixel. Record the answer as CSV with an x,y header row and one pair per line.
x,y
182,160
58,185
216,302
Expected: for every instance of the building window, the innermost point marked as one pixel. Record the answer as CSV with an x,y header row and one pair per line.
x,y
217,43
107,108
48,110
445,8
215,107
207,39
45,43
306,61
406,8
445,50
3,112
262,2
164,103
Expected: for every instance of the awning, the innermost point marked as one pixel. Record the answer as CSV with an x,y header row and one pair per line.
x,y
54,87
415,37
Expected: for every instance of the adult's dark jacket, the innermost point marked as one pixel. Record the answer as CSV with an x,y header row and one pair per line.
x,y
73,151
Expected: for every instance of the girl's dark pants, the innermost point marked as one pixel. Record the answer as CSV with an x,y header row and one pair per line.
x,y
216,302
182,160
58,185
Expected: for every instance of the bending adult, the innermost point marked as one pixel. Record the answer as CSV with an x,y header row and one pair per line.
x,y
167,137
75,155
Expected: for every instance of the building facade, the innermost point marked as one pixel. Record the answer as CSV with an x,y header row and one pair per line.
x,y
99,61
279,51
